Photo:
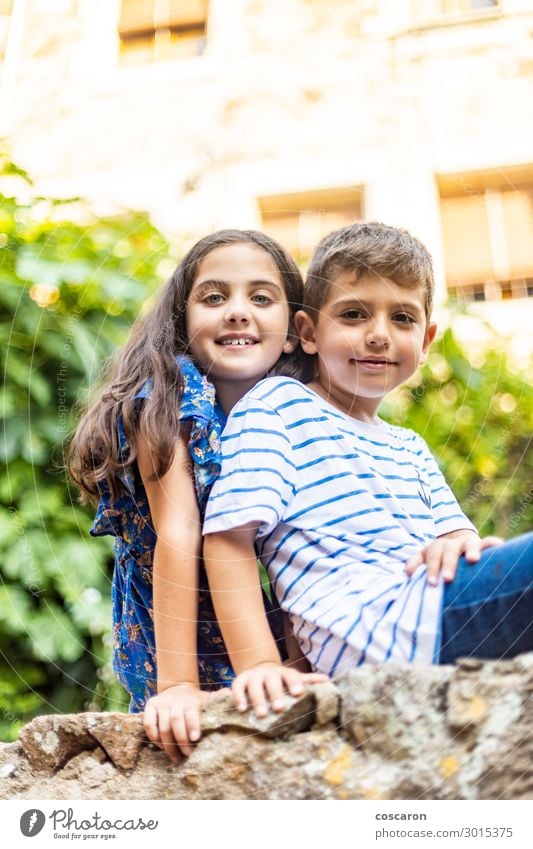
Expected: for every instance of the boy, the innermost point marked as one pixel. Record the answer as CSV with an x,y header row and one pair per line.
x,y
351,516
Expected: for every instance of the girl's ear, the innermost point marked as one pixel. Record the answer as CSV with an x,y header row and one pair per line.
x,y
305,328
289,345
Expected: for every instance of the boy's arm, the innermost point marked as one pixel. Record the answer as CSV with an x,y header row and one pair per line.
x,y
442,554
231,565
173,716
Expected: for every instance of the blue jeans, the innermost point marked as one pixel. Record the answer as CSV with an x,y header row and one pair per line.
x,y
487,610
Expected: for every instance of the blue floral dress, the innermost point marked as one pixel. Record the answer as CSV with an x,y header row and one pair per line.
x,y
128,520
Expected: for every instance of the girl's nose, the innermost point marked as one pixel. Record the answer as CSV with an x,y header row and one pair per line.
x,y
237,312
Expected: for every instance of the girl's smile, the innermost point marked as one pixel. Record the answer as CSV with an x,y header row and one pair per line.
x,y
236,340
237,318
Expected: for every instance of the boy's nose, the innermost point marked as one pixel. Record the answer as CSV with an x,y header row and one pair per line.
x,y
378,334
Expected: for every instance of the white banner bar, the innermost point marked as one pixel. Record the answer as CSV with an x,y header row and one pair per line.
x,y
268,824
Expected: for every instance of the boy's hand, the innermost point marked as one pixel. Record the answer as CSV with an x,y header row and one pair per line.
x,y
172,719
442,554
264,686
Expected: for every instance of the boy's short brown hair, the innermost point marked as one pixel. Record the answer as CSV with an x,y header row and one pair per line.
x,y
369,248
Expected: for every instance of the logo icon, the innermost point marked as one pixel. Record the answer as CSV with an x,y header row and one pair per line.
x,y
424,492
32,822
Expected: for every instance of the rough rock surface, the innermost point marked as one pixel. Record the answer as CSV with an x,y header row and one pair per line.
x,y
385,732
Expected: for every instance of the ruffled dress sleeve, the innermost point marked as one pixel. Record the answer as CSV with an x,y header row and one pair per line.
x,y
200,409
202,412
111,515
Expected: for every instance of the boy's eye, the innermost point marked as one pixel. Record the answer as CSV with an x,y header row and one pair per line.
x,y
404,318
353,315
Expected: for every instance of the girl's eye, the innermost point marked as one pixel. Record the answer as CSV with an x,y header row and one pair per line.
x,y
259,298
404,318
213,298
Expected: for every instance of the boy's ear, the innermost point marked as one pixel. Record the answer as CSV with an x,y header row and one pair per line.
x,y
305,328
431,332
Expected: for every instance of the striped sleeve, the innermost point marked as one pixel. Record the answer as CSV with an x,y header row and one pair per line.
x,y
445,508
257,477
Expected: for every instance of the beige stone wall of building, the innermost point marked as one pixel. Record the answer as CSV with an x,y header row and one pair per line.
x,y
289,96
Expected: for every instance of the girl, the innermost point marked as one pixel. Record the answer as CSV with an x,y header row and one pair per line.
x,y
148,452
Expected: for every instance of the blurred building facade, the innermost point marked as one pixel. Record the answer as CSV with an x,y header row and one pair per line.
x,y
294,116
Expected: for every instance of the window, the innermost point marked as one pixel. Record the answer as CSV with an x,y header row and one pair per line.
x,y
431,9
487,224
466,5
300,220
156,30
5,12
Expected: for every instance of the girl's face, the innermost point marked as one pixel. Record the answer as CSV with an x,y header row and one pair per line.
x,y
237,318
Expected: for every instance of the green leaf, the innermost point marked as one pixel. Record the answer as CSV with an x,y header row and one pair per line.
x,y
32,267
53,635
14,609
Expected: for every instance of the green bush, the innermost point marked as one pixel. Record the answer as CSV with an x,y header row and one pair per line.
x,y
70,286
476,413
68,293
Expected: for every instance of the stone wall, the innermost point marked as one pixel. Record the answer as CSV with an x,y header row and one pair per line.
x,y
384,732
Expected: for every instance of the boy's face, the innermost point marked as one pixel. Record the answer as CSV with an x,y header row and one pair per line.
x,y
370,336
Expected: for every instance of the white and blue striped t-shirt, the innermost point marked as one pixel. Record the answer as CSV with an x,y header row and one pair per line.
x,y
341,505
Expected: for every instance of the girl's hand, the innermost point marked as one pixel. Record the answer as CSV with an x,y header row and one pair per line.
x,y
172,719
441,555
264,686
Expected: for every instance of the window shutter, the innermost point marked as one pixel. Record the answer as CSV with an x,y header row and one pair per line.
x,y
518,217
139,16
300,220
136,16
466,236
187,13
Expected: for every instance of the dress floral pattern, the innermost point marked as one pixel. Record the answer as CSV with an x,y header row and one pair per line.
x,y
128,520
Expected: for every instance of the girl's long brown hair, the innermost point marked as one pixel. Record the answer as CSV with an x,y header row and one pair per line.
x,y
94,456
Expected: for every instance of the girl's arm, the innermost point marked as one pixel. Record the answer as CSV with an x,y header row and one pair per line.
x,y
173,716
231,565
